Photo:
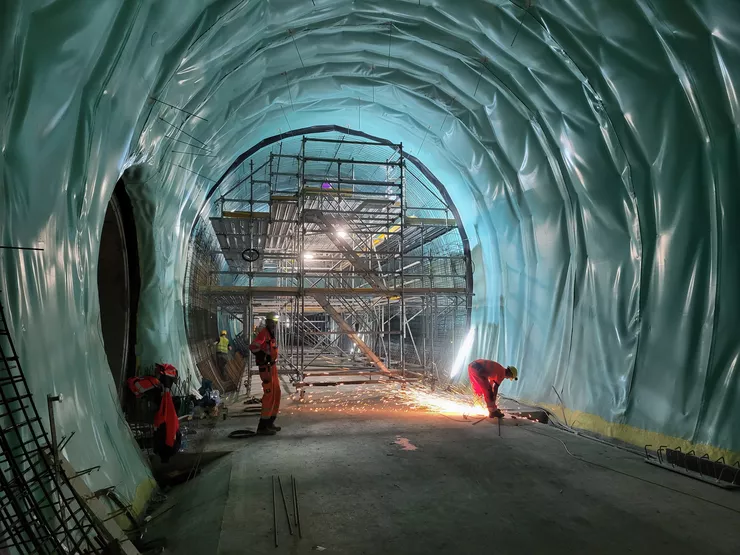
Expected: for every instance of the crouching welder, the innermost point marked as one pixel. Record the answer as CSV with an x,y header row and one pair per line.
x,y
264,348
486,376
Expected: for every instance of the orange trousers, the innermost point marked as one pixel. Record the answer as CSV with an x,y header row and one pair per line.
x,y
270,391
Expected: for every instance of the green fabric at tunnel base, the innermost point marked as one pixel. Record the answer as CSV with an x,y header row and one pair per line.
x,y
591,147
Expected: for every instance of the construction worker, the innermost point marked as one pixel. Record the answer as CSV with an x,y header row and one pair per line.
x,y
264,348
486,376
222,355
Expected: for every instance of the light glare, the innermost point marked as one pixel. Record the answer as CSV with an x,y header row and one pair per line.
x,y
463,353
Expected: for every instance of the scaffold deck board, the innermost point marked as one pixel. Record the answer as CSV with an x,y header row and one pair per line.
x,y
216,290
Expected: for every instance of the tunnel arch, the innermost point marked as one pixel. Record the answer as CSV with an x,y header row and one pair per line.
x,y
318,129
208,241
589,147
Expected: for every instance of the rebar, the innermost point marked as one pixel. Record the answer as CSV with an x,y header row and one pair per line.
x,y
40,510
274,513
295,500
297,508
285,506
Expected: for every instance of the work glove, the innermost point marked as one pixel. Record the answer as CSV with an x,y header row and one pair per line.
x,y
496,413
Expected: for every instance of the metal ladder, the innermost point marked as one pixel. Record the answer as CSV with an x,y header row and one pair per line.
x,y
40,511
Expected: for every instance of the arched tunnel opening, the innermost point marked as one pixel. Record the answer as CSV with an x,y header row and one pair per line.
x,y
332,209
118,288
356,249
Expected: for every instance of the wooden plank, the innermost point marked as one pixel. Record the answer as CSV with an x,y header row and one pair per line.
x,y
246,215
413,221
344,326
311,291
334,384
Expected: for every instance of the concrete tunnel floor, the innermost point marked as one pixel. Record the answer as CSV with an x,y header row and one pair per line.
x,y
384,479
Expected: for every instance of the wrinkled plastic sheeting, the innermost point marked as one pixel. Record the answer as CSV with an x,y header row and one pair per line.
x,y
590,147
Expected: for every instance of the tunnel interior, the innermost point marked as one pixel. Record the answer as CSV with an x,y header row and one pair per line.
x,y
591,150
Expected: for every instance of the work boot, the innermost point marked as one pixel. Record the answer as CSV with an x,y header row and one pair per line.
x,y
263,428
496,413
271,424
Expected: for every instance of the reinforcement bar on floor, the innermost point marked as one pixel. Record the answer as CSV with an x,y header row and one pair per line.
x,y
717,473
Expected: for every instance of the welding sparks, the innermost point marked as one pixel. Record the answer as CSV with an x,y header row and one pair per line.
x,y
442,403
394,397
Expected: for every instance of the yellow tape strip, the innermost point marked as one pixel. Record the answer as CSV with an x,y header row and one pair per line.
x,y
380,238
635,436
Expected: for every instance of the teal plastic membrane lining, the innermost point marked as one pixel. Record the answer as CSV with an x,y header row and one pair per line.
x,y
591,148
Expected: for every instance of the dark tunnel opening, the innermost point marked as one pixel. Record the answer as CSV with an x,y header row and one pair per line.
x,y
119,287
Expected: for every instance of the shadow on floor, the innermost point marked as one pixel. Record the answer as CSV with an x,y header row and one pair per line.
x,y
190,519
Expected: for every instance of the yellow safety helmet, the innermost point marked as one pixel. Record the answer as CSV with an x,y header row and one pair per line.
x,y
272,316
514,372
223,332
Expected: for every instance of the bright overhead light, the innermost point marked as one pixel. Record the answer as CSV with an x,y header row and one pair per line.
x,y
463,353
308,255
342,233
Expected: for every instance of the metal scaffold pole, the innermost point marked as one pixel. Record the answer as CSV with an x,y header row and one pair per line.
x,y
248,325
302,246
403,262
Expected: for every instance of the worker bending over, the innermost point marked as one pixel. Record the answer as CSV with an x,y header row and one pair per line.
x,y
486,377
264,348
222,348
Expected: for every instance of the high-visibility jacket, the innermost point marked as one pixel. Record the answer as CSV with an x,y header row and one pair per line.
x,y
265,343
223,345
142,384
489,370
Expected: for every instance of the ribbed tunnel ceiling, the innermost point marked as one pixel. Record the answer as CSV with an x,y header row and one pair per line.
x,y
591,147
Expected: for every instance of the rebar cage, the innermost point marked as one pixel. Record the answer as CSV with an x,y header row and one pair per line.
x,y
41,511
350,242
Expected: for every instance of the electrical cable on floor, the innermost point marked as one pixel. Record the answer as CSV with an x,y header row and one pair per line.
x,y
631,475
455,419
553,419
562,405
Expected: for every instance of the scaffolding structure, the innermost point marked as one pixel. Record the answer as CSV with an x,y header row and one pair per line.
x,y
356,250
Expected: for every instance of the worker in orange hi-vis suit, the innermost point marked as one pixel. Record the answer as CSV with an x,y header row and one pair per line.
x,y
264,348
486,376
